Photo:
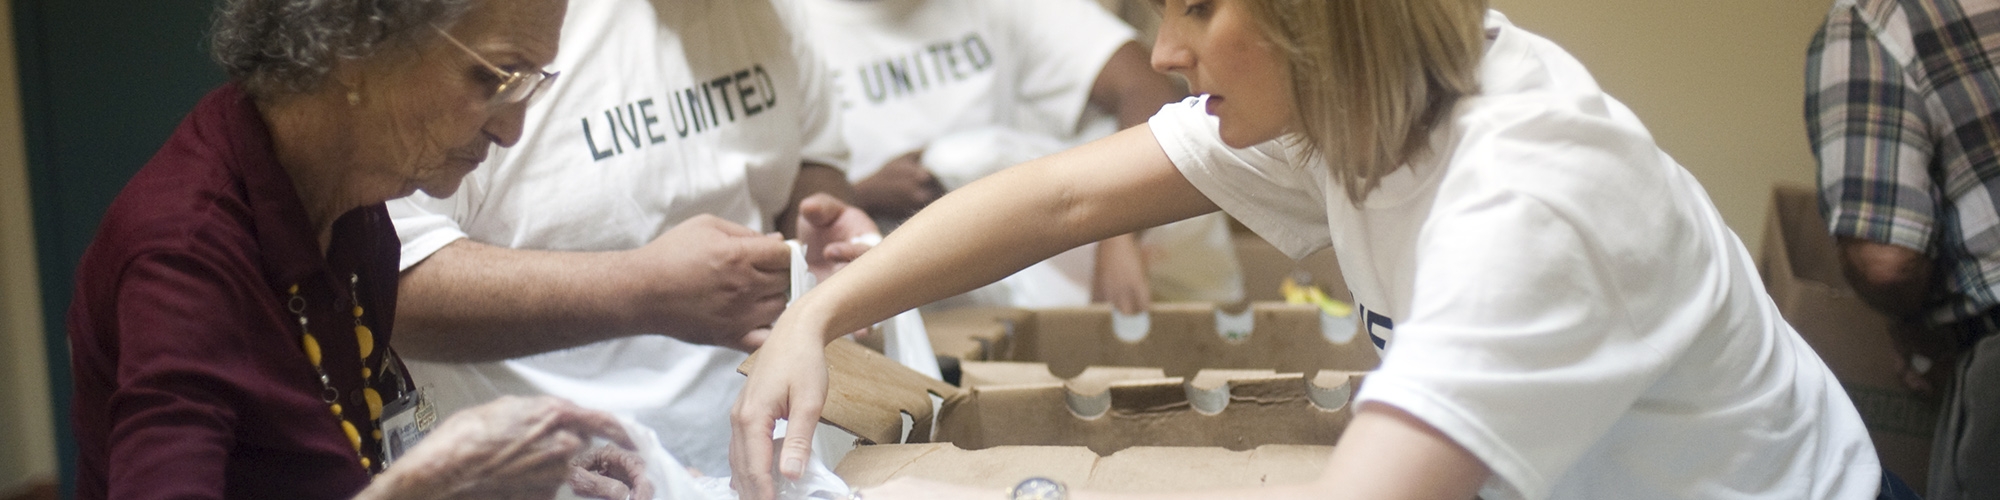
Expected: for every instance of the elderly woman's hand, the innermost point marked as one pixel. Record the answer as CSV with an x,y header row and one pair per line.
x,y
511,448
611,473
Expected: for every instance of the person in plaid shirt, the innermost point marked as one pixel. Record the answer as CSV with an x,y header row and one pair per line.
x,y
1903,110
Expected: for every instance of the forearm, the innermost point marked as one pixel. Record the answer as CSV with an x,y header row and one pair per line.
x,y
476,302
1004,223
1892,279
813,179
1120,247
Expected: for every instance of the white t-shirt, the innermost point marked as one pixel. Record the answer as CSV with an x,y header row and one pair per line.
x,y
981,85
911,71
1558,296
664,110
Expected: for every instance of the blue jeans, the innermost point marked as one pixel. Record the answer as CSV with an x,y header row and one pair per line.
x,y
1893,488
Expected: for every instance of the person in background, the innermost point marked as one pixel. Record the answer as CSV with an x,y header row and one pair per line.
x,y
622,255
937,93
1562,311
232,322
1903,118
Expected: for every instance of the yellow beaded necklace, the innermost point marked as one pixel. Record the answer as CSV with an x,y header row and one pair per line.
x,y
365,340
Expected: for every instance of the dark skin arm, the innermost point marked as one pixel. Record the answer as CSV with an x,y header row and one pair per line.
x,y
1890,278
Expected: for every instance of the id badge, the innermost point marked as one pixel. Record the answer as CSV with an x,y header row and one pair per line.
x,y
405,422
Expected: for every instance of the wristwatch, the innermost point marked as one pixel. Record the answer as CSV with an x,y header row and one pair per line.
x,y
1039,488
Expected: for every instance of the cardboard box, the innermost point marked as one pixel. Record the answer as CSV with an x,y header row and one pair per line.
x,y
1264,266
1134,470
1232,409
1802,270
1118,430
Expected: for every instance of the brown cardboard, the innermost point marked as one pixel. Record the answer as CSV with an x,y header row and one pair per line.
x,y
1264,266
1133,470
1234,425
1802,270
868,394
1183,339
1237,410
970,333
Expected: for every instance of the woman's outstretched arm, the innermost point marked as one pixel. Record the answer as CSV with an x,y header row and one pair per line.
x,y
972,237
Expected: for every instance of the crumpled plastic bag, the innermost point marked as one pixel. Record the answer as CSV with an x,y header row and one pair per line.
x,y
818,483
672,480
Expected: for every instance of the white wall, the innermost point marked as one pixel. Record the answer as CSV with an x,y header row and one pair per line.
x,y
27,439
1719,82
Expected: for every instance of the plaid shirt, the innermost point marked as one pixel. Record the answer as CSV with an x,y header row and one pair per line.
x,y
1903,109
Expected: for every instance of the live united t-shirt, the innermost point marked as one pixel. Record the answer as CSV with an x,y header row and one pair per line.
x,y
910,71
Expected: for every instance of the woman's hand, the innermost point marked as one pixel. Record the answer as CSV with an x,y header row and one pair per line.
x,y
1120,278
610,473
789,382
901,188
510,448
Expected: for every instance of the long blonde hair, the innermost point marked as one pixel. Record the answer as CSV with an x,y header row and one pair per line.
x,y
1373,78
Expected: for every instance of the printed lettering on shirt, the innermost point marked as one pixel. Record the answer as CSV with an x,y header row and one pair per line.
x,y
1380,328
928,67
703,107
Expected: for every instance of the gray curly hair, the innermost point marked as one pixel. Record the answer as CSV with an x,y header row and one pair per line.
x,y
289,46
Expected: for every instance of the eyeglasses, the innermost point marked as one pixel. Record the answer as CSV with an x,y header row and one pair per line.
x,y
515,86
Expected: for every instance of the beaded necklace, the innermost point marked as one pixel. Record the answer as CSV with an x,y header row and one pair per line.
x,y
365,341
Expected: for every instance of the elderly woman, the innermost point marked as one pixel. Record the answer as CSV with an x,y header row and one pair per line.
x,y
231,324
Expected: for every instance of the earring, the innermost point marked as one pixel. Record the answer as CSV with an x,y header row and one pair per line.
x,y
353,98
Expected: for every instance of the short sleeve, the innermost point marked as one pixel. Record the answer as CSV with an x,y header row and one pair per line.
x,y
1283,202
1561,272
1865,116
1063,44
1516,317
425,224
179,352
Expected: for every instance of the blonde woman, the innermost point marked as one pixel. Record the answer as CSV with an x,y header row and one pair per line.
x,y
1563,312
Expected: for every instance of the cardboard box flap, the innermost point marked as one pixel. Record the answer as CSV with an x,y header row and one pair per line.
x,y
972,333
1802,239
868,394
1133,470
1803,274
1237,411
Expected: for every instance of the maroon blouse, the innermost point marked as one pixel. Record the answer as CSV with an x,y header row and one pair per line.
x,y
190,378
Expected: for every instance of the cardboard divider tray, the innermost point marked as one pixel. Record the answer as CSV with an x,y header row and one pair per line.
x,y
1182,338
1260,406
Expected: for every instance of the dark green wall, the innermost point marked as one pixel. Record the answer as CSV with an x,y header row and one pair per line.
x,y
103,83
